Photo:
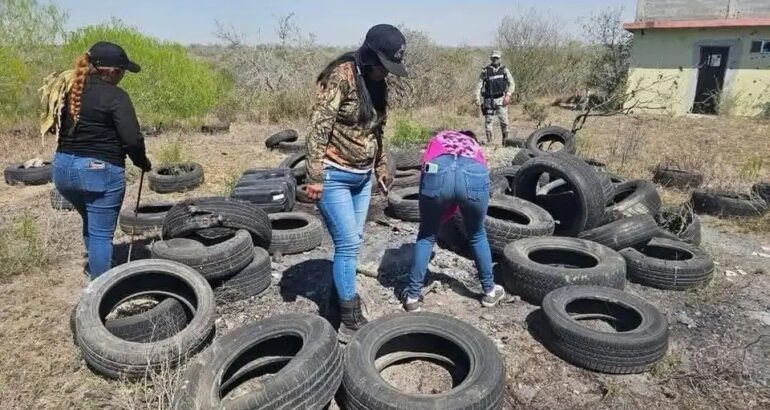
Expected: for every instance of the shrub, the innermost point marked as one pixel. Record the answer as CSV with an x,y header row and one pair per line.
x,y
171,153
407,131
28,31
171,87
21,246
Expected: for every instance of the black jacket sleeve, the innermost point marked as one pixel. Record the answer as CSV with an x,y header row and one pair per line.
x,y
127,126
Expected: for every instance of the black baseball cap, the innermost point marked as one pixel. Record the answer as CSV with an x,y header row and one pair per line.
x,y
389,44
106,54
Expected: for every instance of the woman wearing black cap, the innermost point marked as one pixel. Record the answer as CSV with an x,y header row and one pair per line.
x,y
345,146
98,129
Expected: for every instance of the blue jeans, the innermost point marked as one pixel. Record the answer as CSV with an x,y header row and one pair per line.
x,y
95,188
344,205
464,182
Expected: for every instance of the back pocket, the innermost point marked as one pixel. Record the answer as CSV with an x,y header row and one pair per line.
x,y
431,184
477,184
94,176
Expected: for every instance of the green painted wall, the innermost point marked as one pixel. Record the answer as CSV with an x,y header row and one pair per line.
x,y
664,74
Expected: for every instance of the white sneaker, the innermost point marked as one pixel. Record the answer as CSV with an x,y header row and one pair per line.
x,y
496,295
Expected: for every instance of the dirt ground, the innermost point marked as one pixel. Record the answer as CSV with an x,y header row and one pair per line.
x,y
719,355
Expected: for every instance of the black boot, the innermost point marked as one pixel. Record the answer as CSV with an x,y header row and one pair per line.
x,y
489,137
505,137
352,319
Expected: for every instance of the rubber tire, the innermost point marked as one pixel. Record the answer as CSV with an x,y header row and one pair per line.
x,y
16,174
498,185
588,192
675,178
144,222
288,135
165,184
642,200
563,135
627,352
163,320
217,261
115,358
408,159
405,209
251,281
192,215
523,156
391,166
688,223
508,172
294,162
292,147
363,388
405,178
60,203
762,190
501,232
296,240
623,233
669,274
721,204
308,381
532,280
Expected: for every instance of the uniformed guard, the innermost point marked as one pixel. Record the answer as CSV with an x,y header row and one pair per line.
x,y
493,94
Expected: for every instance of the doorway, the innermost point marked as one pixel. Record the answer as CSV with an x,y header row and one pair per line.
x,y
711,78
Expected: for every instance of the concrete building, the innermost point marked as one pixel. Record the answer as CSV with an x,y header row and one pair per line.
x,y
701,56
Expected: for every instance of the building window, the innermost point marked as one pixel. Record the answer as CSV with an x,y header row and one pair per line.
x,y
760,47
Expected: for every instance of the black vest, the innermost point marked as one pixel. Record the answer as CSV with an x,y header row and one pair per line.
x,y
495,82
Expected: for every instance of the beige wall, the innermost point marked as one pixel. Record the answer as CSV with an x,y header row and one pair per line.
x,y
664,74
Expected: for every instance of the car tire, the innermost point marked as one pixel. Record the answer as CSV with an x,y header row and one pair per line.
x,y
679,224
303,347
288,135
639,342
552,134
217,259
250,281
404,204
624,233
676,178
18,175
116,358
480,370
536,266
148,219
60,203
295,232
668,264
728,204
632,198
189,216
180,177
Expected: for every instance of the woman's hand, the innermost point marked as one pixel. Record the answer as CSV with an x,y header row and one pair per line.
x,y
384,181
314,191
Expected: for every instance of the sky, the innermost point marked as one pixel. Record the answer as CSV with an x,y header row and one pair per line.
x,y
332,22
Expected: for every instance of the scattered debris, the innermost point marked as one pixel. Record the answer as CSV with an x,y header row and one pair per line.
x,y
684,319
730,273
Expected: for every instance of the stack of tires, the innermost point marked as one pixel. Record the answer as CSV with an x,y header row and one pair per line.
x,y
606,230
224,240
147,219
272,190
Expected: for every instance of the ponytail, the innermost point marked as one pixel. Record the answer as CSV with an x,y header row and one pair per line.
x,y
82,68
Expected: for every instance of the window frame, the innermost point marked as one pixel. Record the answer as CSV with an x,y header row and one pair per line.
x,y
764,47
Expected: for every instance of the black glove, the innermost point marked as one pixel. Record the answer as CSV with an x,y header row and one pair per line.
x,y
146,166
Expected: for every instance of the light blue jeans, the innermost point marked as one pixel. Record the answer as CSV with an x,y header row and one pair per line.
x,y
95,188
344,205
464,182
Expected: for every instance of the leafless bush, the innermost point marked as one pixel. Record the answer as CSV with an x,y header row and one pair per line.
x,y
436,74
274,81
611,54
541,58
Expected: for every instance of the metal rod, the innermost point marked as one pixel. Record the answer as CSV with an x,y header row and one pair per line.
x,y
136,215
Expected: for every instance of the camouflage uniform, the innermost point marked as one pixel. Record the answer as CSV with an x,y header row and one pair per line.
x,y
499,109
335,134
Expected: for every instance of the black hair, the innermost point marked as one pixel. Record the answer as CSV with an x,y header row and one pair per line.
x,y
371,94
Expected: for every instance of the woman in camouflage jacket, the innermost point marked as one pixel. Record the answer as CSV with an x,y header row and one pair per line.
x,y
345,146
